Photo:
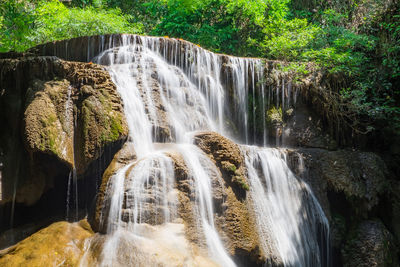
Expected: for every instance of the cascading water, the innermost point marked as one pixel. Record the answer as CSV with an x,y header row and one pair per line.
x,y
286,210
169,93
200,166
143,192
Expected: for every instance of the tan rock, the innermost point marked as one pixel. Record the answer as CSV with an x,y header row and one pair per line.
x,y
61,243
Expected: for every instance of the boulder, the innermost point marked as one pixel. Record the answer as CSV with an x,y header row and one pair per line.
x,y
61,243
369,244
98,219
228,158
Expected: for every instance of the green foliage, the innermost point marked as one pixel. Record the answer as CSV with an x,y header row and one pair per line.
x,y
27,24
16,18
296,37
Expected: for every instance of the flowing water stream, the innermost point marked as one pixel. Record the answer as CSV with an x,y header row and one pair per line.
x,y
169,93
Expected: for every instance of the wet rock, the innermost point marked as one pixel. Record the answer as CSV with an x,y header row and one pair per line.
x,y
49,123
233,215
350,186
61,243
370,244
98,219
162,245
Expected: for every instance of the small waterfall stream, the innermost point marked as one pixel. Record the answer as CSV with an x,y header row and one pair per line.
x,y
168,94
285,209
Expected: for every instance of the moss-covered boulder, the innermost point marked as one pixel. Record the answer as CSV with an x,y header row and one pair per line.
x,y
76,117
60,244
55,116
49,119
233,206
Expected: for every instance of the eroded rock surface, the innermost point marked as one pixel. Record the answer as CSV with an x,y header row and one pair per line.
x,y
233,218
227,157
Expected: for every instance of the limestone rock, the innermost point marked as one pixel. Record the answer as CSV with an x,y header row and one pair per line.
x,y
162,246
61,243
49,120
227,157
121,158
349,185
304,128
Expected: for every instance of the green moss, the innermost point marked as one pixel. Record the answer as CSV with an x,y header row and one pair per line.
x,y
228,166
274,115
240,181
86,117
114,129
48,134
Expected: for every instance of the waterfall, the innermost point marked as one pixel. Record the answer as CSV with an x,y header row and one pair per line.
x,y
171,89
287,212
142,192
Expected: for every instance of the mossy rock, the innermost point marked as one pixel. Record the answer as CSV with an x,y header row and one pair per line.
x,y
68,115
274,116
47,126
76,117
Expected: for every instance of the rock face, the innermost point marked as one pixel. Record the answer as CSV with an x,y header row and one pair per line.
x,y
55,116
61,243
350,186
304,128
83,110
121,159
359,176
371,244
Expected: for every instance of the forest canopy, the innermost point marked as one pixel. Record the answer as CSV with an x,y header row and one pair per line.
x,y
357,40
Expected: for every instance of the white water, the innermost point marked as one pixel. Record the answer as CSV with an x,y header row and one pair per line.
x,y
163,86
202,168
286,211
